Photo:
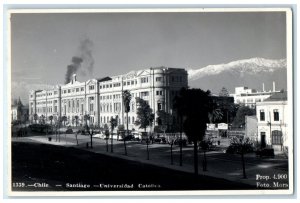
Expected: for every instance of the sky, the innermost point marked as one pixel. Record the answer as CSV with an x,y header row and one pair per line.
x,y
43,45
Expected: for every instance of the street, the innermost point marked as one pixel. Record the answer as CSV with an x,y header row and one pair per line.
x,y
220,164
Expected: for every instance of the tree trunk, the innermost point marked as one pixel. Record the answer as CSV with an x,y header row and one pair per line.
x,y
76,138
204,161
111,144
91,140
180,140
125,134
106,144
195,158
243,163
172,153
148,148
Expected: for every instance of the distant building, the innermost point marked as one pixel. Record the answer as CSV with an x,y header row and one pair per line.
x,y
249,97
272,126
102,98
251,127
19,112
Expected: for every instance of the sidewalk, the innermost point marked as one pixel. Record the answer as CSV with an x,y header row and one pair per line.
x,y
220,165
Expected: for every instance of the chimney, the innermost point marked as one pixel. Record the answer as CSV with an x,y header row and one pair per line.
x,y
73,78
263,87
273,86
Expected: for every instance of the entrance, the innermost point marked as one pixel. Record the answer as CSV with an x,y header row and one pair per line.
x,y
262,140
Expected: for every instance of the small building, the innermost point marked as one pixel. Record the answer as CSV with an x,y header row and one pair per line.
x,y
251,128
272,122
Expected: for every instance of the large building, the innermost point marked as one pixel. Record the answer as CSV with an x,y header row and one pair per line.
x,y
272,121
102,98
249,97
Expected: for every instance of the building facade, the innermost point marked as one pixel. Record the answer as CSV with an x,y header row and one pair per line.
x,y
272,122
249,97
19,112
102,99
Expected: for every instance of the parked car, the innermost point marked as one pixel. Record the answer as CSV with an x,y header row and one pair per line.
x,y
160,140
99,135
183,142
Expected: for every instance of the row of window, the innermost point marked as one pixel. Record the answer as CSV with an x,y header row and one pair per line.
x,y
262,116
106,119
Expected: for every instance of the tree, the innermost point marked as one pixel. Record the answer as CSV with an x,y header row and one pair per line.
x,y
242,146
121,129
64,119
35,117
164,120
126,101
113,124
224,92
215,115
51,118
106,132
239,120
42,119
89,129
195,108
76,120
145,117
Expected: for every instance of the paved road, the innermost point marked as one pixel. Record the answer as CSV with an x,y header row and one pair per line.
x,y
220,164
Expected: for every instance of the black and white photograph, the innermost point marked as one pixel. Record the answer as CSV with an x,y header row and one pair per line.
x,y
141,101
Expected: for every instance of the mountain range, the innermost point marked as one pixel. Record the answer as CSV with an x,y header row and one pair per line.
x,y
251,73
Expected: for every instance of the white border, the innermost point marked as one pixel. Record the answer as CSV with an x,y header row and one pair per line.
x,y
289,49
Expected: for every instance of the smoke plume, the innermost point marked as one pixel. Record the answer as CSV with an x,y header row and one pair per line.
x,y
83,62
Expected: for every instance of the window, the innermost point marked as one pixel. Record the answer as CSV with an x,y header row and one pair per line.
x,y
172,78
124,83
110,85
132,82
262,115
158,79
144,80
100,87
128,83
69,91
276,137
276,115
159,106
65,91
159,92
144,94
132,120
82,89
77,89
91,87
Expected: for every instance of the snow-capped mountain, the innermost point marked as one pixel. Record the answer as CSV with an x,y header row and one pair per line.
x,y
248,72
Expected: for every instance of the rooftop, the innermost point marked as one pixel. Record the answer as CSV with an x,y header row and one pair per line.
x,y
278,96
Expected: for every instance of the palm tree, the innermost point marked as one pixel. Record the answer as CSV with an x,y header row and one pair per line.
x,y
113,124
126,101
